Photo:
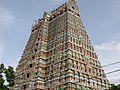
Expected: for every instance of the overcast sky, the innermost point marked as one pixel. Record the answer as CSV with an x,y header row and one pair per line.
x,y
101,19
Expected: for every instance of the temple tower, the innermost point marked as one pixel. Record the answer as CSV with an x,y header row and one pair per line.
x,y
59,54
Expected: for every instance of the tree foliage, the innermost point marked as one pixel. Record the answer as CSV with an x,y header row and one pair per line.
x,y
1,68
1,82
115,87
9,75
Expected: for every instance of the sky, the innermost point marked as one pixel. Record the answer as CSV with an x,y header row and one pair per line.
x,y
101,19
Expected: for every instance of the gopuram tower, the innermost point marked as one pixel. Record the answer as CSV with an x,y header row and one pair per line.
x,y
59,55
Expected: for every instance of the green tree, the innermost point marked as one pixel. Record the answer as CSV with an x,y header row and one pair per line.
x,y
118,86
1,68
10,77
115,87
1,82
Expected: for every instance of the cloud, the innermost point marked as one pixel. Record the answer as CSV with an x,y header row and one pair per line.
x,y
115,80
109,52
110,46
7,22
6,18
